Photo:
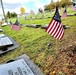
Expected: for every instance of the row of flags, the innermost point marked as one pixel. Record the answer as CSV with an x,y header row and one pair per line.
x,y
64,14
55,27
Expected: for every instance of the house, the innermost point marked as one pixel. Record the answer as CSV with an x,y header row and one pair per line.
x,y
23,15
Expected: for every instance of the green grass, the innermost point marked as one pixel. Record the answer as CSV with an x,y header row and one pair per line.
x,y
33,41
37,21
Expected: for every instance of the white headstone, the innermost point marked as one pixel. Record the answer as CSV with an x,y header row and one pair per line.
x,y
4,41
18,67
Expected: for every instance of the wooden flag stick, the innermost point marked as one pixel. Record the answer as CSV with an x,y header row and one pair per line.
x,y
56,46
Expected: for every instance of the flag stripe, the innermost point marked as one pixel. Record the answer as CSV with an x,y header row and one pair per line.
x,y
15,27
73,8
53,28
57,31
64,13
50,26
60,37
60,34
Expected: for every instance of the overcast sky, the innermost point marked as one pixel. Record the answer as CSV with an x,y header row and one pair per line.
x,y
15,5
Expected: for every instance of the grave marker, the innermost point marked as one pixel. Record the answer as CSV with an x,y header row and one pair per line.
x,y
18,67
1,30
2,35
5,41
21,65
7,44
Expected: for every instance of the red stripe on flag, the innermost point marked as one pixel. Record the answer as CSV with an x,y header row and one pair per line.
x,y
73,8
57,33
64,15
50,26
55,29
60,34
47,29
15,27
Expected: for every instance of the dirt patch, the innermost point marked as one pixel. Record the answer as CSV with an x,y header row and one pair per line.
x,y
64,63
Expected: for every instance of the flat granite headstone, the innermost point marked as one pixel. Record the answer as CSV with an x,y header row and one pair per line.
x,y
4,24
65,27
1,30
44,27
5,48
2,35
5,41
35,69
33,25
70,15
21,65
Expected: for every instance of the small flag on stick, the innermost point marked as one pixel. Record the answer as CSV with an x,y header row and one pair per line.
x,y
55,27
74,7
64,13
16,27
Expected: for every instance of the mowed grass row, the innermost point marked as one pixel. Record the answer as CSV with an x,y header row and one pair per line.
x,y
29,40
33,41
28,37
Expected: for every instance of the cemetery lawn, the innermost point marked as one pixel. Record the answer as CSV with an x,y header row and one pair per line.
x,y
33,42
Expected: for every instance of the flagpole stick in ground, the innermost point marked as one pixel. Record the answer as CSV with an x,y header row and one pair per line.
x,y
55,28
56,46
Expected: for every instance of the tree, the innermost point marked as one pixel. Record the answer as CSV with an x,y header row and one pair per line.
x,y
8,14
40,10
62,3
74,0
13,14
22,10
65,3
50,6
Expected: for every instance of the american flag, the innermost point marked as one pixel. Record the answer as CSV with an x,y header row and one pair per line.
x,y
55,27
16,27
64,13
74,7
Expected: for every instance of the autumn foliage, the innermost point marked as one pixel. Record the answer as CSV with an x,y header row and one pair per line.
x,y
62,3
22,10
